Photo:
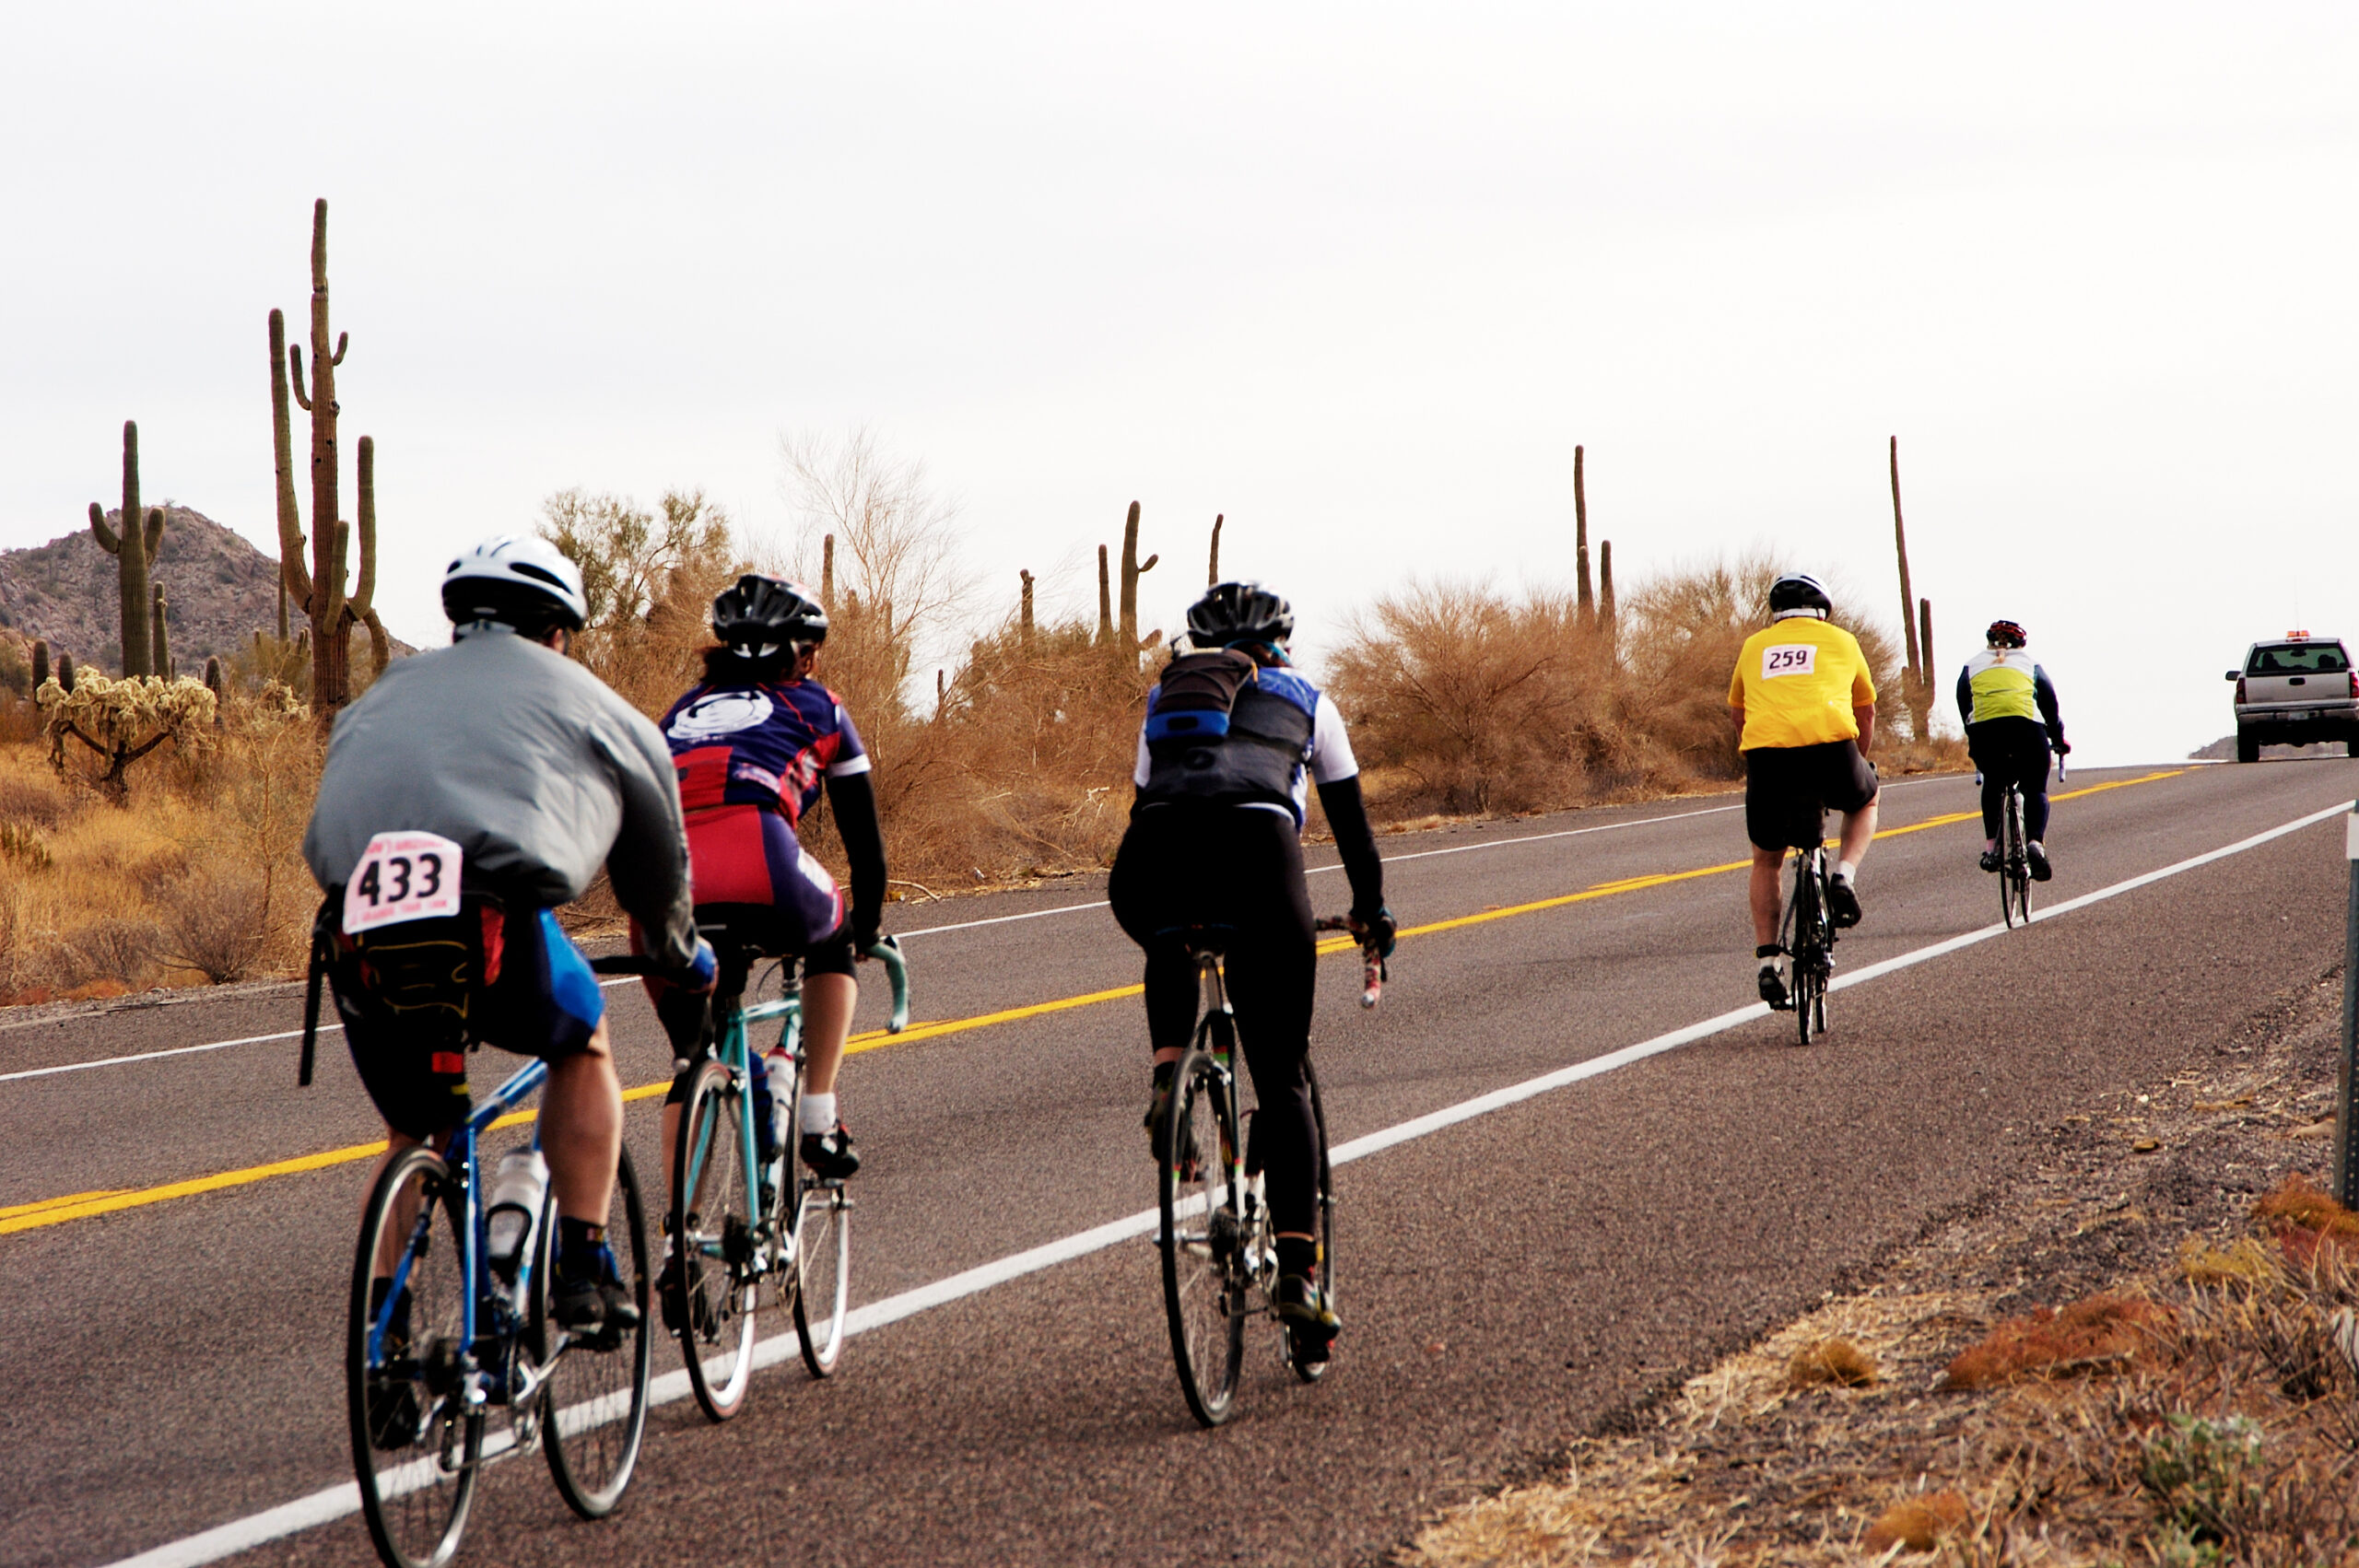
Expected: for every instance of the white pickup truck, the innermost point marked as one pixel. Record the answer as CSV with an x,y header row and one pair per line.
x,y
2295,690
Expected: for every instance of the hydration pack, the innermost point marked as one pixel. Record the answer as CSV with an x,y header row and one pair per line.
x,y
1221,731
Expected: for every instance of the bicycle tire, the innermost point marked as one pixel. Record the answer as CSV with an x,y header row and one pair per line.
x,y
1805,946
416,1496
1201,1234
594,1410
1312,1371
714,1236
821,1219
2014,870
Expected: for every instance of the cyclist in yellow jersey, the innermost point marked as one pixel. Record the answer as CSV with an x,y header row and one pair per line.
x,y
2012,720
1806,712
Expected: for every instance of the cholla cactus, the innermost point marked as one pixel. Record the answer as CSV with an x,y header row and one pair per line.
x,y
122,721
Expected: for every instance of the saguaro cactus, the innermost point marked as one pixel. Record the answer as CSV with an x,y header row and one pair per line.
x,y
828,574
66,671
1132,569
1104,603
1025,623
213,677
132,550
1605,586
159,643
320,590
1585,607
1916,679
1925,652
1212,572
41,662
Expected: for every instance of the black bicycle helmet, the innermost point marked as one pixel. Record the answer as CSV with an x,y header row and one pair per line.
x,y
760,614
1799,590
2005,634
1240,611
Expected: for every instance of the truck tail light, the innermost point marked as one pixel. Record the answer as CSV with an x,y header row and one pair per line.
x,y
2240,688
2354,686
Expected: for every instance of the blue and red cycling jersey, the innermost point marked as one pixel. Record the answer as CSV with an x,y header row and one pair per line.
x,y
768,744
751,758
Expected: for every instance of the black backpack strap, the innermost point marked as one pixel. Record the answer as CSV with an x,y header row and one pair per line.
x,y
323,953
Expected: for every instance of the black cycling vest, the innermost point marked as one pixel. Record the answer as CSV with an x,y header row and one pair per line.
x,y
1250,754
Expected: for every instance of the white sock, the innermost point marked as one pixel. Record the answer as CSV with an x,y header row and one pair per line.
x,y
818,1113
1845,871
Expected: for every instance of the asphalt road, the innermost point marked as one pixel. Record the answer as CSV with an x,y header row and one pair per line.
x,y
1507,1281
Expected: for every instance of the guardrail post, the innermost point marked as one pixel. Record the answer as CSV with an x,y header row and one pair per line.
x,y
2346,1115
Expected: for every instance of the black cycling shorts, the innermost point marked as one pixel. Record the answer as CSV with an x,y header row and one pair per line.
x,y
414,997
1789,789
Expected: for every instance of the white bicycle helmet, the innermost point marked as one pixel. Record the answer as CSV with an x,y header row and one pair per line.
x,y
519,580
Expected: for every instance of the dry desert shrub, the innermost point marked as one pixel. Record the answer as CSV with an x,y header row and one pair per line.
x,y
2102,1330
1465,699
214,923
1832,1361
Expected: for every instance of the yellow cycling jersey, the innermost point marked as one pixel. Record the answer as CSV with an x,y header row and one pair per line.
x,y
1797,680
2003,683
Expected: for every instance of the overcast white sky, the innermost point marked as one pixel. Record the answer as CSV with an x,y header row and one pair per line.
x,y
1358,275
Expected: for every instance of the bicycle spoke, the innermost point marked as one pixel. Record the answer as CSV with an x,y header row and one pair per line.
x,y
1202,1238
594,1401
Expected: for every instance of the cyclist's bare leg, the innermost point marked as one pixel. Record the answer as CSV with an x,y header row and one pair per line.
x,y
396,1235
581,1127
1858,831
828,1001
1768,902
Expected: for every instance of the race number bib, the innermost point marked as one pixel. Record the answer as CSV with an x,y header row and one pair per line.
x,y
402,876
1789,659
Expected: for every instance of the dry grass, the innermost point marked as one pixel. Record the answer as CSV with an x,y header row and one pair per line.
x,y
195,877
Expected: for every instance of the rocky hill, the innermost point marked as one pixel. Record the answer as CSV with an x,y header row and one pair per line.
x,y
219,590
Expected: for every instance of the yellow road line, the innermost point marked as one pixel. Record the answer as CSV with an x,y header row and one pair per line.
x,y
79,1206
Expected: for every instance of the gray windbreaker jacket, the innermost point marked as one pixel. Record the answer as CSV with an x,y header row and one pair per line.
x,y
527,761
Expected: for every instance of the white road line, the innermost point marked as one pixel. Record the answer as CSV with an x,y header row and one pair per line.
x,y
336,1502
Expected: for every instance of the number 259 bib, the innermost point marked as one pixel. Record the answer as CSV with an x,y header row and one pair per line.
x,y
1789,659
402,876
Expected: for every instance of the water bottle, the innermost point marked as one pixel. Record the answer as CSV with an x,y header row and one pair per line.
x,y
516,1194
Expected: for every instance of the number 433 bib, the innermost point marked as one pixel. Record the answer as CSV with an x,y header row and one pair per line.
x,y
402,876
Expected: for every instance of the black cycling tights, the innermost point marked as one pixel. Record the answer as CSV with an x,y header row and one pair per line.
x,y
2012,750
1240,867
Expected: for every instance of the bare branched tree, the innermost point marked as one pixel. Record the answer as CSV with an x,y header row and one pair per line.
x,y
896,538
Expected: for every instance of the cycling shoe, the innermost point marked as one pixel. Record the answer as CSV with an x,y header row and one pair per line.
x,y
1842,904
1989,860
2041,869
829,1155
1772,988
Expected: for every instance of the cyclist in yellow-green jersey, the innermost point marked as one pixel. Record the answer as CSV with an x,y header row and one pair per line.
x,y
2012,720
1806,710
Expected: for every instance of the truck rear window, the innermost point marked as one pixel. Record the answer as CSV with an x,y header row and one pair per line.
x,y
2299,659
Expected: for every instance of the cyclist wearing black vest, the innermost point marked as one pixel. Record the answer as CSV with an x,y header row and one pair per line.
x,y
1234,737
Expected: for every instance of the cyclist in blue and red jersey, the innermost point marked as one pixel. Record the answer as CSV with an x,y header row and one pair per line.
x,y
753,744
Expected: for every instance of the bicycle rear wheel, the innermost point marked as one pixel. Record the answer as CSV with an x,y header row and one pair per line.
x,y
2014,870
1203,1232
594,1401
713,1236
1306,1367
820,1212
415,1450
1805,943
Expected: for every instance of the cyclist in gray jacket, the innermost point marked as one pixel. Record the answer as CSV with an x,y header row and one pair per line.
x,y
466,795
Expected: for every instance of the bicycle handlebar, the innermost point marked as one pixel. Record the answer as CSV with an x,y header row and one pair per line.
x,y
1373,970
886,951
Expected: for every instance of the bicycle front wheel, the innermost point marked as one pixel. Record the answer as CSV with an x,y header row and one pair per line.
x,y
1202,1237
715,1240
820,1211
415,1449
594,1401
